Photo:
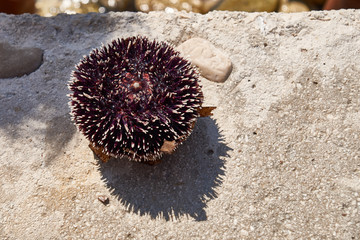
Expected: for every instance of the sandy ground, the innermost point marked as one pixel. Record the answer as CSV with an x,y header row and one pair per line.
x,y
279,159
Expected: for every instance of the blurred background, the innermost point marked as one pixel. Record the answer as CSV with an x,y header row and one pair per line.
x,y
49,8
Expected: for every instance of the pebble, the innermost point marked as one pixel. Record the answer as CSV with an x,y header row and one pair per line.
x,y
104,199
16,62
214,65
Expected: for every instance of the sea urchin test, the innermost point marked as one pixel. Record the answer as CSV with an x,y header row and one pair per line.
x,y
135,97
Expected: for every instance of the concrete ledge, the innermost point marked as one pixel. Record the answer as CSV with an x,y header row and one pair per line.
x,y
279,158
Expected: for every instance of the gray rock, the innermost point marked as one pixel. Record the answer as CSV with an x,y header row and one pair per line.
x,y
16,62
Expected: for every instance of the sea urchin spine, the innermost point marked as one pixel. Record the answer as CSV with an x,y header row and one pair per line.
x,y
135,98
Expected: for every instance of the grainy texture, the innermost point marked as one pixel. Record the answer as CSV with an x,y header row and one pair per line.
x,y
278,159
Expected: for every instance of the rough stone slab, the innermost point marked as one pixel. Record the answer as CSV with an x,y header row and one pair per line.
x,y
279,159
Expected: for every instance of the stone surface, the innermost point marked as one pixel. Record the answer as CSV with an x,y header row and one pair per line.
x,y
213,64
18,61
279,158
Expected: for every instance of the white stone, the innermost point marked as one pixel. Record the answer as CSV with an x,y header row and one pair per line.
x,y
214,65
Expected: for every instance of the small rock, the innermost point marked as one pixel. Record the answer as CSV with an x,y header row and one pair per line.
x,y
104,199
213,64
16,62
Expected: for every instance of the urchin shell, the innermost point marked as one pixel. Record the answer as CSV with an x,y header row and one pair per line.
x,y
133,95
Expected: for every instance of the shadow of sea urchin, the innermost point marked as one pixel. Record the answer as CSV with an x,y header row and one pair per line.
x,y
135,98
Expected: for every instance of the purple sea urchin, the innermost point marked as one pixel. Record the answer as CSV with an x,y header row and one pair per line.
x,y
135,97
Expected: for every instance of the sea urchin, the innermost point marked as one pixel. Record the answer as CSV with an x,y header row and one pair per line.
x,y
135,98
